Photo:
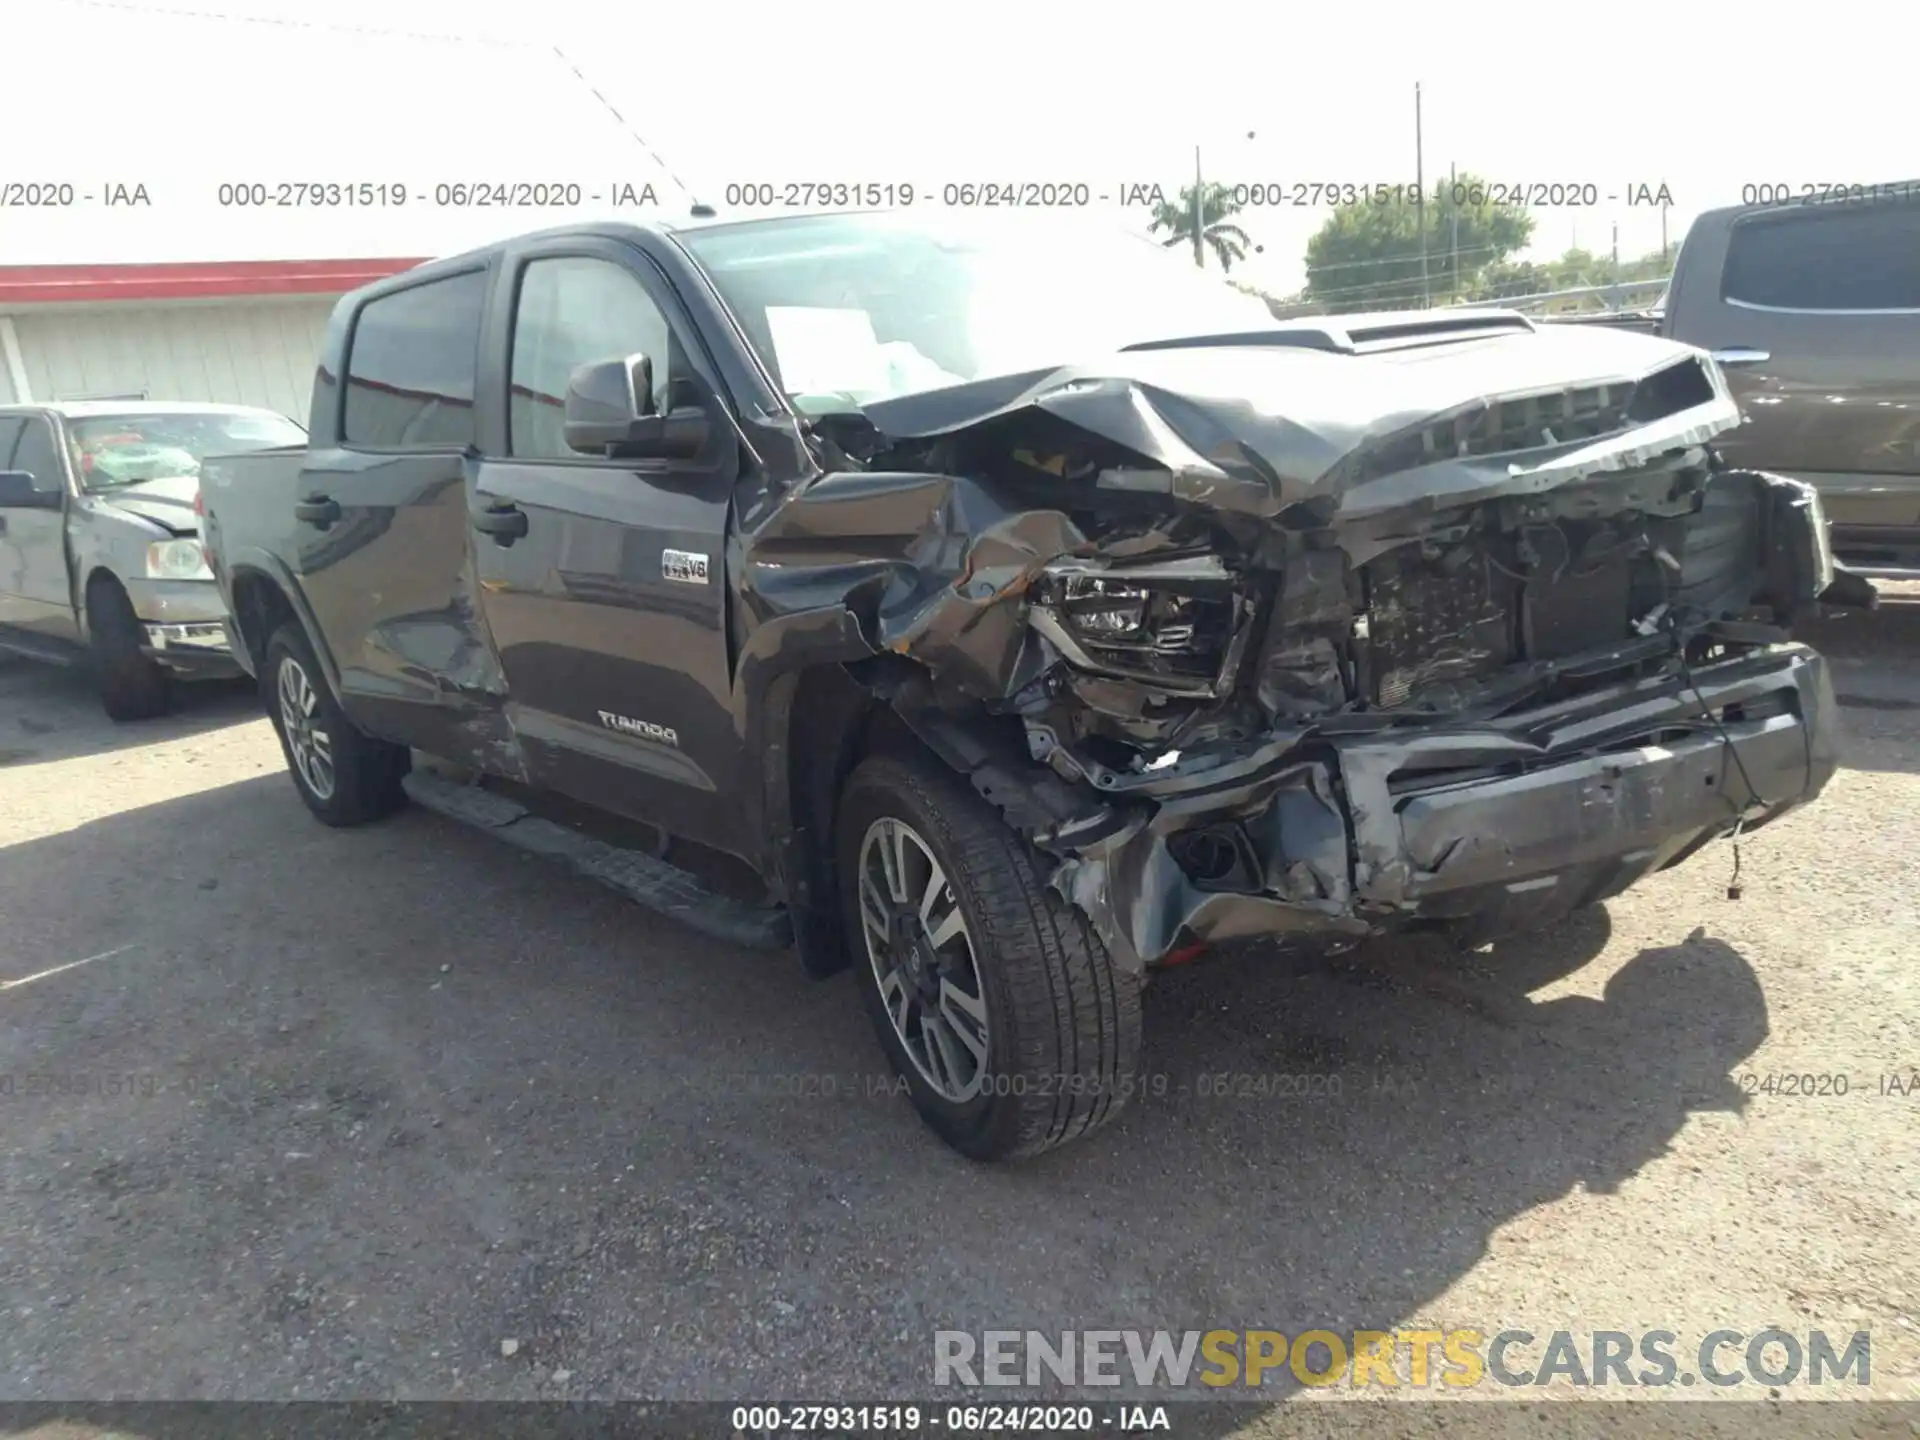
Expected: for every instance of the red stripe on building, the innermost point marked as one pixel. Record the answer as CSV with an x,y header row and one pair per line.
x,y
190,280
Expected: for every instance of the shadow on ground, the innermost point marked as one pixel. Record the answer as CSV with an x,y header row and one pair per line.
x,y
413,1092
48,712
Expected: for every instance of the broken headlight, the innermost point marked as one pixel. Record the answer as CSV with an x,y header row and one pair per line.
x,y
1175,624
1111,608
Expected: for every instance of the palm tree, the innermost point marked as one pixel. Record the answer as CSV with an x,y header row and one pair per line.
x,y
1227,240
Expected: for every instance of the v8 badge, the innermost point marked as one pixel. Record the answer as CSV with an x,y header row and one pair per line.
x,y
683,567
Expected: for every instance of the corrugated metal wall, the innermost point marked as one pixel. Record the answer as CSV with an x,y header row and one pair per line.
x,y
252,352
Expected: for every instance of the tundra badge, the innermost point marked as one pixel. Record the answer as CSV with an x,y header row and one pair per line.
x,y
684,566
645,729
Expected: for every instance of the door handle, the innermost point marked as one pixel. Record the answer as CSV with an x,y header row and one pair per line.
x,y
320,510
505,523
1741,355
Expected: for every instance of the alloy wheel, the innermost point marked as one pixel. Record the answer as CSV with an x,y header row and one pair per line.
x,y
308,741
923,959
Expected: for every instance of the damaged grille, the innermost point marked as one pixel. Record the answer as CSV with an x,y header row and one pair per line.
x,y
1533,422
1506,426
1444,616
1437,620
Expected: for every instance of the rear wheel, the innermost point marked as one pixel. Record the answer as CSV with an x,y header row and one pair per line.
x,y
132,685
345,776
993,998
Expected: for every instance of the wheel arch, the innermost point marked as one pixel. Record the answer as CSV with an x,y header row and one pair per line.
x,y
262,598
98,574
821,722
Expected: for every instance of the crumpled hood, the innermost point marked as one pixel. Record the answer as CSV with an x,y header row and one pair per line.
x,y
167,503
1258,428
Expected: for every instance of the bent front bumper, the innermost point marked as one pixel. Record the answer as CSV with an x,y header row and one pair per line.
x,y
183,622
1507,824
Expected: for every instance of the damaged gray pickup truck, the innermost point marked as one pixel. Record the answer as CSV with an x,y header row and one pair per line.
x,y
1028,610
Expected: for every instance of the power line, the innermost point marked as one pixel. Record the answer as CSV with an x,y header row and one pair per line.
x,y
345,29
1398,259
179,13
624,124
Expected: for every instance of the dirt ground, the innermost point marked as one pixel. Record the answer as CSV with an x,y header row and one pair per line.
x,y
399,1113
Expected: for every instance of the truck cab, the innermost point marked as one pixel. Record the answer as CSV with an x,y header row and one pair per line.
x,y
1811,304
1027,610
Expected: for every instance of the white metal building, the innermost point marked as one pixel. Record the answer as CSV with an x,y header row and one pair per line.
x,y
178,260
236,333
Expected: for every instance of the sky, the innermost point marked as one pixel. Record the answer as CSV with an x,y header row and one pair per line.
x,y
187,95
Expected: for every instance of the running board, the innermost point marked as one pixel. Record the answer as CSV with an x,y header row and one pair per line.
x,y
640,877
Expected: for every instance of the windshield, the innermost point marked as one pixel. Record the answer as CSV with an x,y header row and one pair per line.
x,y
848,309
114,450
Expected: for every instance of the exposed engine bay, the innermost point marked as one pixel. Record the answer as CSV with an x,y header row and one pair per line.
x,y
1425,656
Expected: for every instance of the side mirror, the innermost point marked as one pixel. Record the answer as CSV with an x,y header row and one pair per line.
x,y
610,413
17,492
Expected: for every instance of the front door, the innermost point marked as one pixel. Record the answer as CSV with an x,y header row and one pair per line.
x,y
35,588
609,611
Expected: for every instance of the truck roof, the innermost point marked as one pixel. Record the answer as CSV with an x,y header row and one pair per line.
x,y
703,218
1839,195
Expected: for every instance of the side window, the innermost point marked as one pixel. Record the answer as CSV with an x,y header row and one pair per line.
x,y
572,310
411,367
1841,257
38,453
10,427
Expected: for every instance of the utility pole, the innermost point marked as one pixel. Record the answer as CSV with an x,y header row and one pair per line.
x,y
1613,300
1199,249
1420,199
1663,231
1453,282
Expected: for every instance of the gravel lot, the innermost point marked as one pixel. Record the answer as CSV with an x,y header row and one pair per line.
x,y
331,1115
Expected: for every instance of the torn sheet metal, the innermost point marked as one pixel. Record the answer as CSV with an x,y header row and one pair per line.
x,y
1241,771
1257,431
931,566
1513,827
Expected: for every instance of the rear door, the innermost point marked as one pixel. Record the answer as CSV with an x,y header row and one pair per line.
x,y
35,588
609,612
1817,314
382,553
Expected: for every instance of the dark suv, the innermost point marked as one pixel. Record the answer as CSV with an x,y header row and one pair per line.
x,y
1813,308
1028,610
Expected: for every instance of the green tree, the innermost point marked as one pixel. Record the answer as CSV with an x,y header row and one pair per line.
x,y
1217,230
1367,255
1507,279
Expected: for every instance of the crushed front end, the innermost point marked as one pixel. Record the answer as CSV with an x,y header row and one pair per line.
x,y
1473,659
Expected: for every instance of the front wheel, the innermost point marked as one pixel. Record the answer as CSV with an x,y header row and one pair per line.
x,y
132,685
345,777
992,996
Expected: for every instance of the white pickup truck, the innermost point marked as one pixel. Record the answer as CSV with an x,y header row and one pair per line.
x,y
100,557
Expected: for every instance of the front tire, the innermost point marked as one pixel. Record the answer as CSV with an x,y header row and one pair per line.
x,y
995,1001
344,776
132,685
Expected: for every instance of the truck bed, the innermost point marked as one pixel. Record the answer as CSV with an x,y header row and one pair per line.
x,y
248,502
